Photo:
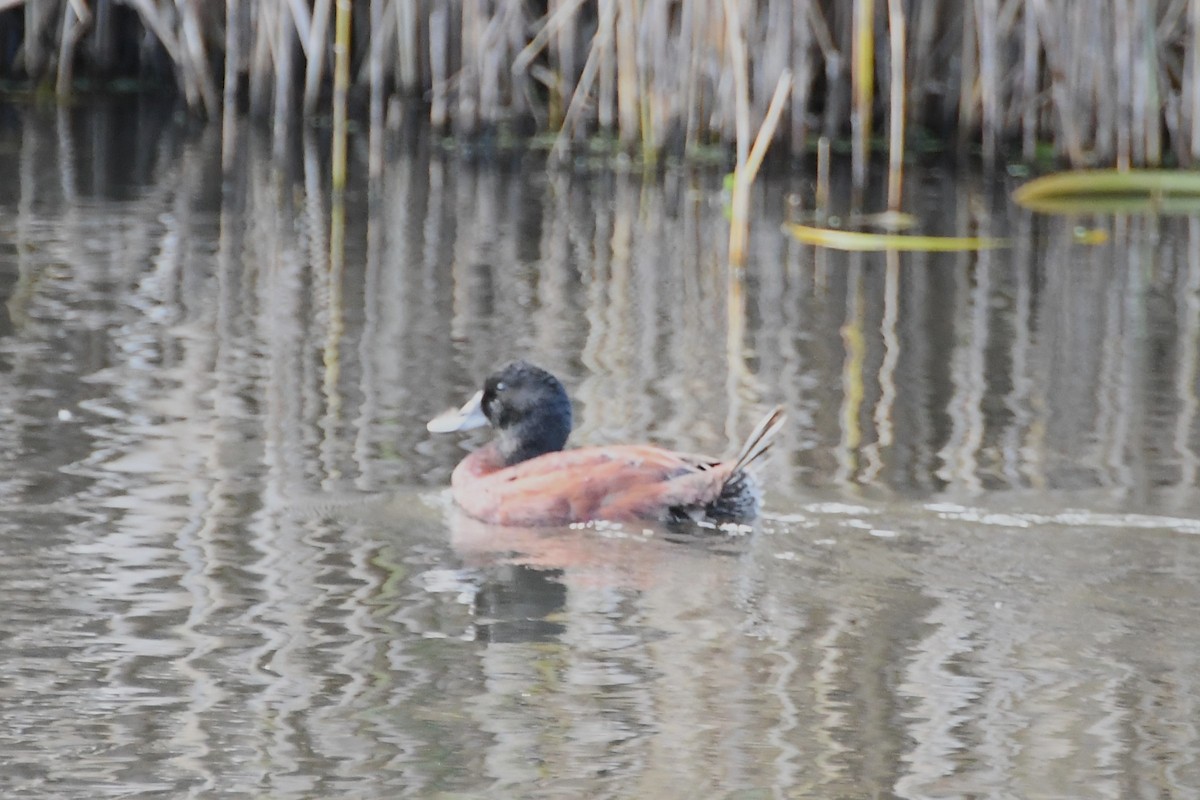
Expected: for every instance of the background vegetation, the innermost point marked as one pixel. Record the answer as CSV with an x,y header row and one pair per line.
x,y
1090,81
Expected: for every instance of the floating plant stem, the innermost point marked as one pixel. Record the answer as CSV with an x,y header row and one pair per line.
x,y
858,241
1106,184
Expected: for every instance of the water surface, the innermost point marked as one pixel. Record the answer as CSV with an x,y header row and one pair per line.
x,y
229,567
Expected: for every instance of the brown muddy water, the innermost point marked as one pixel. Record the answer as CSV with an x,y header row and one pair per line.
x,y
228,566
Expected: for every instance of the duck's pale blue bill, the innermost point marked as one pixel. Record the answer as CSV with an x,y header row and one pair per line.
x,y
460,419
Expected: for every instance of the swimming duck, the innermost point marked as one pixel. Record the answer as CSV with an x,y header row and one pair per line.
x,y
524,477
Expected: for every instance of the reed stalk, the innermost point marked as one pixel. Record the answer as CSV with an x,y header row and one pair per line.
x,y
75,21
554,30
691,22
862,75
897,32
1065,112
194,54
968,77
1091,68
1192,88
408,28
341,87
628,105
821,200
986,12
233,61
260,58
741,83
590,68
927,36
284,41
1029,82
375,72
36,14
1149,113
837,106
314,49
566,37
469,75
439,65
748,166
1122,61
803,68
604,66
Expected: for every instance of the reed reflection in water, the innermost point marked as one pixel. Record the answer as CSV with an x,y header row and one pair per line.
x,y
227,565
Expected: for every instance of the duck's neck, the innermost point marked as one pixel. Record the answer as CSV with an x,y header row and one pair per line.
x,y
532,439
514,449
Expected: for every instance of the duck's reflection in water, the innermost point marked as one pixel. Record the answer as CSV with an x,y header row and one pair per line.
x,y
636,624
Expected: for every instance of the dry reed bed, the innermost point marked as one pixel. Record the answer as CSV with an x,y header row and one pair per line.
x,y
1106,82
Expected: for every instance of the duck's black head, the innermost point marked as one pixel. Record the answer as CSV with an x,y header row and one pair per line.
x,y
529,409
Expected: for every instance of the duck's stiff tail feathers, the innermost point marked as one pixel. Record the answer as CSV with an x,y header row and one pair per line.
x,y
739,496
760,439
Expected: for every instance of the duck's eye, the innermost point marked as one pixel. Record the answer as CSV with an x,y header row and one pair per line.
x,y
500,386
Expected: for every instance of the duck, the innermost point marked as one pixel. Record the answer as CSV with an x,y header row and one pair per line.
x,y
525,477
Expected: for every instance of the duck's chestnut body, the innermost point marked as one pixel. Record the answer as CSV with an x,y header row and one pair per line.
x,y
524,477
